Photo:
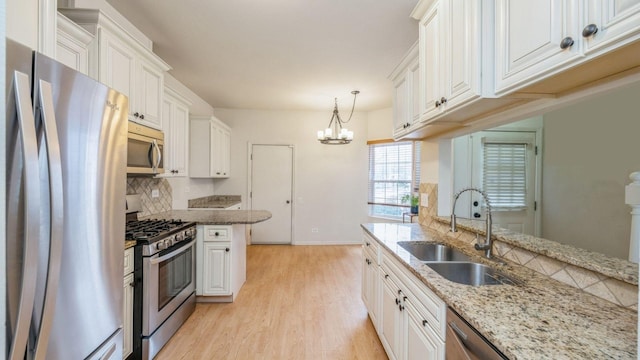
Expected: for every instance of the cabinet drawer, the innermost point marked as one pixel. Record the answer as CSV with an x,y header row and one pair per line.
x,y
371,245
217,233
128,261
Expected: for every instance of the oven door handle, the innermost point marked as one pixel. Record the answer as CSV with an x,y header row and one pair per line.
x,y
154,261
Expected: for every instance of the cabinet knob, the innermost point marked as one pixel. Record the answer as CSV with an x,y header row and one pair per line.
x,y
216,234
400,307
443,100
141,116
217,173
397,301
566,43
227,249
424,322
589,30
368,243
288,202
136,114
438,103
476,215
386,276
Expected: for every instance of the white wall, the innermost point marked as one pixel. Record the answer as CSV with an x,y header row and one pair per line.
x,y
329,181
22,21
380,124
589,151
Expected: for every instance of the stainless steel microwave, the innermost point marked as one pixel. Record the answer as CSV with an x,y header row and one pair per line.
x,y
145,150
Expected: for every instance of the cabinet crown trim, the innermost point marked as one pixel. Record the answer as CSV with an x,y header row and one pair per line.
x,y
421,8
410,56
94,19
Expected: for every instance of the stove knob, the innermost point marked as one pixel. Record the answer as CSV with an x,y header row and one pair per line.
x,y
161,245
179,237
168,242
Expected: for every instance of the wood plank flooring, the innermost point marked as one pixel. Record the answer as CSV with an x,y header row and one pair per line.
x,y
299,302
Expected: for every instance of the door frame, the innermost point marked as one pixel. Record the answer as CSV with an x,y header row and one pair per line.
x,y
466,172
293,187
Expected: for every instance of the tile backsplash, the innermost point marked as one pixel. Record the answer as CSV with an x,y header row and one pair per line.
x,y
145,186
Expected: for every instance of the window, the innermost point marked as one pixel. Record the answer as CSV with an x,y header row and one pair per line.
x,y
394,171
504,176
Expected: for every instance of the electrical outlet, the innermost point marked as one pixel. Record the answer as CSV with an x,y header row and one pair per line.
x,y
424,200
314,230
155,193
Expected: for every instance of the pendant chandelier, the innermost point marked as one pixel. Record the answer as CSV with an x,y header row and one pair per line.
x,y
335,133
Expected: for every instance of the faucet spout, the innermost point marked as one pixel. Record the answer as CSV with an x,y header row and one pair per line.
x,y
488,243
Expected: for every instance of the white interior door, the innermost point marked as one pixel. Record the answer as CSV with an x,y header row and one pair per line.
x,y
504,164
271,189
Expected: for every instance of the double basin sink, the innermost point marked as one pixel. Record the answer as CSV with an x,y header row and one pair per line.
x,y
455,266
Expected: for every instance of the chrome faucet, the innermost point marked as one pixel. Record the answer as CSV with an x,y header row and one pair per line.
x,y
488,243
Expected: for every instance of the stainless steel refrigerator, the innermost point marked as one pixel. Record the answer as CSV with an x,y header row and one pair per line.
x,y
66,179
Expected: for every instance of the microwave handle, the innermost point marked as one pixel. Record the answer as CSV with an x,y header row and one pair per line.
x,y
159,152
150,153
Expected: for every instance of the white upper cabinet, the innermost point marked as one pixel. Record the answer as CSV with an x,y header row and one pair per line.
x,y
452,54
72,44
405,78
551,46
610,24
533,38
175,125
121,62
210,148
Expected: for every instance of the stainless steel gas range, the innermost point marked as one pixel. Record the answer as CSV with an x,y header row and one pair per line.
x,y
164,294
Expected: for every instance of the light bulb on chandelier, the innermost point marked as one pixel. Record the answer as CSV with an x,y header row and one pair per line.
x,y
335,133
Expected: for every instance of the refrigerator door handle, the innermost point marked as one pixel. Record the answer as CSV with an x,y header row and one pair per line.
x,y
27,133
45,104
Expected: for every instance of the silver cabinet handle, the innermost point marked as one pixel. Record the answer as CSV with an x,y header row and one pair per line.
x,y
31,173
44,101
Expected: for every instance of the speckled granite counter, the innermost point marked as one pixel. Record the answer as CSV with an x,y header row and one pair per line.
x,y
215,217
129,244
616,268
215,202
540,319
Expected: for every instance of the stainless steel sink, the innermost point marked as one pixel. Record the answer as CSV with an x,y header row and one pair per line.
x,y
469,273
433,252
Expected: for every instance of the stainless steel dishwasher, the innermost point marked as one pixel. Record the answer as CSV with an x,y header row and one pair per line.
x,y
466,343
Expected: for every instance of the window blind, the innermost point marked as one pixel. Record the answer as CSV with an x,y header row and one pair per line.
x,y
394,171
504,174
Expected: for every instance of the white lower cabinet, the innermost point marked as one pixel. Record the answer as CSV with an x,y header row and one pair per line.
x,y
221,260
410,319
128,284
216,273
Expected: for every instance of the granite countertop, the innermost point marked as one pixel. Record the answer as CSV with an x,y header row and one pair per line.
x,y
539,319
620,269
215,202
215,217
129,244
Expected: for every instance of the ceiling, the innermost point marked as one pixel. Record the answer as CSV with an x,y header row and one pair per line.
x,y
279,54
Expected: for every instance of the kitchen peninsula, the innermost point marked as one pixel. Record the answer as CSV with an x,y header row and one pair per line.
x,y
221,249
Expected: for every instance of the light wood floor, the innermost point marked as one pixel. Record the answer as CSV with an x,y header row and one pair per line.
x,y
299,302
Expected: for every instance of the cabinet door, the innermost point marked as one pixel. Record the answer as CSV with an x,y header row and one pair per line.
x,y
167,128
216,269
225,153
616,22
528,40
414,75
117,67
150,87
127,347
430,62
421,342
390,318
179,139
214,158
462,63
401,104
